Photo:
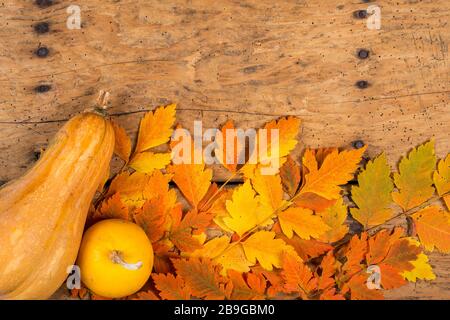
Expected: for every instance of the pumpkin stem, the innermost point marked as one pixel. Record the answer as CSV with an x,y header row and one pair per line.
x,y
101,103
116,257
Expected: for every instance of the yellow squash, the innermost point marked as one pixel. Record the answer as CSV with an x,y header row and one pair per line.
x,y
42,214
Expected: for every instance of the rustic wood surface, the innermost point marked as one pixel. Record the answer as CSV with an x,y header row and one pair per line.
x,y
250,61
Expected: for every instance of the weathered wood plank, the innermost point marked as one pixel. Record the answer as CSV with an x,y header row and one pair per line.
x,y
250,61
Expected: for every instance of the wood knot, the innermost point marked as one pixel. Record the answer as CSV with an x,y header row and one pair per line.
x,y
42,27
42,52
44,3
362,84
42,88
363,54
358,144
360,14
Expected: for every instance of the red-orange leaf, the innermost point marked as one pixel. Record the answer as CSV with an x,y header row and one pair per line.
x,y
171,287
297,276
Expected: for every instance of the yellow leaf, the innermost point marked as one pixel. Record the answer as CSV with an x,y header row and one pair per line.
x,y
373,193
288,128
433,228
122,146
422,269
269,189
193,180
334,217
268,251
303,222
156,128
229,152
336,169
219,211
146,162
441,179
414,180
229,256
244,210
233,258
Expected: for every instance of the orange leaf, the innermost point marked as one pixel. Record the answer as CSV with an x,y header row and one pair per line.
x,y
202,277
152,217
328,268
112,208
155,128
290,176
122,146
441,179
297,276
193,180
251,288
181,233
171,287
146,295
228,152
355,252
433,227
360,291
336,169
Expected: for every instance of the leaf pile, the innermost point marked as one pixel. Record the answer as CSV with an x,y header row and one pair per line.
x,y
283,236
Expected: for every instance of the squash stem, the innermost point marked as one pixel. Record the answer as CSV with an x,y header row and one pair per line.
x,y
116,257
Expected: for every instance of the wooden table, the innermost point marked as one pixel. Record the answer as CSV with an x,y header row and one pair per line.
x,y
250,61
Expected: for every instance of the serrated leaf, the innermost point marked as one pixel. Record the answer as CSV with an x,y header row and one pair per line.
x,y
290,176
441,179
334,217
421,268
122,145
251,288
337,169
181,233
244,210
303,222
373,193
146,162
193,180
297,276
155,128
359,290
433,228
202,277
263,247
269,189
112,208
414,179
229,152
171,287
152,218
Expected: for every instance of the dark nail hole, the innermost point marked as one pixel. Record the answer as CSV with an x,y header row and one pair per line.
x,y
36,155
42,52
360,14
362,84
2,182
363,54
41,27
358,144
44,3
42,88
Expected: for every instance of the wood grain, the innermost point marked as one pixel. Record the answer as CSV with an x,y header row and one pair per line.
x,y
250,61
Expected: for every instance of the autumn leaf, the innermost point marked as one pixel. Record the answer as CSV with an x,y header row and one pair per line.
x,y
307,249
146,295
244,210
433,228
421,267
202,277
171,287
251,288
112,208
181,233
122,145
155,128
328,268
152,217
290,176
288,128
229,256
373,193
415,177
297,276
441,179
193,180
146,162
336,170
334,217
354,254
229,152
359,290
303,222
269,189
261,246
